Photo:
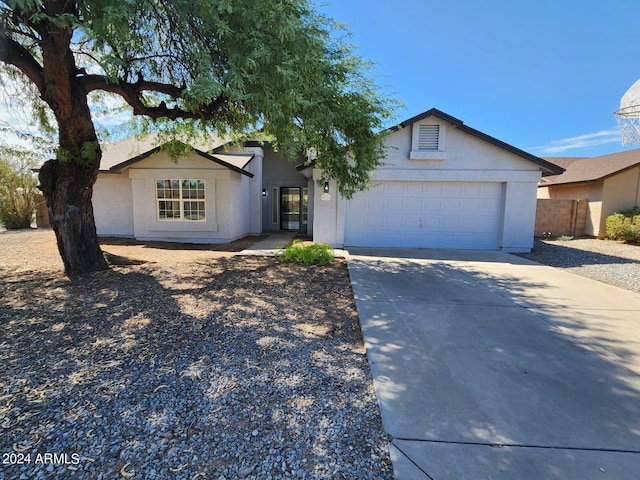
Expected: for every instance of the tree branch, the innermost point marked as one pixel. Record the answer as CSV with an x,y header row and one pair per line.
x,y
12,53
131,93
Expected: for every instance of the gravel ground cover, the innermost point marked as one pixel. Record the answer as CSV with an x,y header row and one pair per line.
x,y
181,364
608,261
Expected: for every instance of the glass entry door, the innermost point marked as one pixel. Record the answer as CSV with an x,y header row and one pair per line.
x,y
290,208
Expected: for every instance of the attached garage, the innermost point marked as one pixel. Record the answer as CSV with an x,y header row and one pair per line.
x,y
465,215
442,185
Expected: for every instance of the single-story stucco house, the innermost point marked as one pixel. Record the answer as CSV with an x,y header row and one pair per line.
x,y
610,183
443,185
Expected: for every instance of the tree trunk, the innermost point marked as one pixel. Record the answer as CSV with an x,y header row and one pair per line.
x,y
67,182
68,188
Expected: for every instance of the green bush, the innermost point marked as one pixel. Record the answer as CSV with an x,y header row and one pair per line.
x,y
18,195
624,225
318,253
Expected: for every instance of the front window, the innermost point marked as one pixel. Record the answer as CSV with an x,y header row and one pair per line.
x,y
180,200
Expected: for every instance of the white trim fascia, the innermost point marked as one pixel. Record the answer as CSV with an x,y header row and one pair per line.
x,y
435,175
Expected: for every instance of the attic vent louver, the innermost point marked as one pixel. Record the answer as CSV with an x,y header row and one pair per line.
x,y
428,137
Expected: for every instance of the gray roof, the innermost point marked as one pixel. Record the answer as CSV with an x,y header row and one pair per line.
x,y
119,155
590,169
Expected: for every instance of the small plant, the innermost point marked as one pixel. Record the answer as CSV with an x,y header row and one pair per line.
x,y
564,238
624,225
317,253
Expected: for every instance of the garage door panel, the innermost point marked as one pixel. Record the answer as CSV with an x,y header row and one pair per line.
x,y
375,204
431,205
393,204
411,207
426,214
372,222
392,223
451,206
432,190
413,189
394,188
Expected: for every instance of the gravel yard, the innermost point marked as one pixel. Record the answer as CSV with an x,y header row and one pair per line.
x,y
182,364
608,261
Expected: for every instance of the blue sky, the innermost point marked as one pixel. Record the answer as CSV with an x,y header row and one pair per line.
x,y
544,76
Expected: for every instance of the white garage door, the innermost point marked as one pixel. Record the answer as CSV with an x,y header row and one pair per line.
x,y
464,215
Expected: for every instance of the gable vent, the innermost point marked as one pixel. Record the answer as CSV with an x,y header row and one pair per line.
x,y
428,137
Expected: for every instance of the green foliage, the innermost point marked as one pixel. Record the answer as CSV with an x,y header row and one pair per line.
x,y
19,152
564,238
624,225
18,194
317,253
229,66
85,154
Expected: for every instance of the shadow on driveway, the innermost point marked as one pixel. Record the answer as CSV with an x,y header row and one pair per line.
x,y
501,369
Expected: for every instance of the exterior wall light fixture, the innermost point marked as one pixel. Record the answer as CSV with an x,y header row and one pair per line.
x,y
326,187
264,192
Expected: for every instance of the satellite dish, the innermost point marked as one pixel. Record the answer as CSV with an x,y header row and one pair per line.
x,y
628,115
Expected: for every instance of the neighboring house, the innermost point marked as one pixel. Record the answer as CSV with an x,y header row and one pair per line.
x,y
610,183
443,185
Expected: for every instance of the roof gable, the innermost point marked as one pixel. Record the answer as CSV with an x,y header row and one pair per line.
x,y
591,169
546,166
117,156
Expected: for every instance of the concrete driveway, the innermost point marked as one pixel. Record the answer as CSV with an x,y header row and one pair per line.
x,y
488,366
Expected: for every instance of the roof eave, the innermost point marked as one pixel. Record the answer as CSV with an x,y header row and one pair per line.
x,y
128,163
117,168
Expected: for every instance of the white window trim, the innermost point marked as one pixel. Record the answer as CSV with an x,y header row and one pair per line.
x,y
181,201
437,155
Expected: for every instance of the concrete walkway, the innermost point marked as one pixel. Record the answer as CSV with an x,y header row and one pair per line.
x,y
271,245
275,244
488,366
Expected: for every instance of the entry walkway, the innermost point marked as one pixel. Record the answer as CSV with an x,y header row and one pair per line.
x,y
271,245
488,366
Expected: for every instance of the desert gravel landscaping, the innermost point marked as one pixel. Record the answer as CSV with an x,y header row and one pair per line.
x,y
181,364
607,261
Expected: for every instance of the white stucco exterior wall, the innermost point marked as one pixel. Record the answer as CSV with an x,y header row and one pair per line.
x,y
328,213
239,218
223,223
463,158
519,216
113,205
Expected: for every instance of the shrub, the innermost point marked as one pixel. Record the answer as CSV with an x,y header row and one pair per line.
x,y
624,225
318,253
564,238
18,195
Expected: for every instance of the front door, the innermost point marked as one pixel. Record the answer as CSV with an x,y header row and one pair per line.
x,y
290,208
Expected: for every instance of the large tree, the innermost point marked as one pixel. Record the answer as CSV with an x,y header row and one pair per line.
x,y
227,66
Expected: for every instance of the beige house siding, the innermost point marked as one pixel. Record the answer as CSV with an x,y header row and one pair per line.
x,y
591,191
620,192
559,217
613,194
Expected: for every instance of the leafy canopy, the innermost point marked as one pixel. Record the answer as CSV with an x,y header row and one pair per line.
x,y
226,66
18,192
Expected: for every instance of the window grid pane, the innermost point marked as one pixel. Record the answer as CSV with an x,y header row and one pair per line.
x,y
189,204
168,210
194,210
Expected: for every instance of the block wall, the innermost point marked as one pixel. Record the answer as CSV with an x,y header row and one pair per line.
x,y
557,217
